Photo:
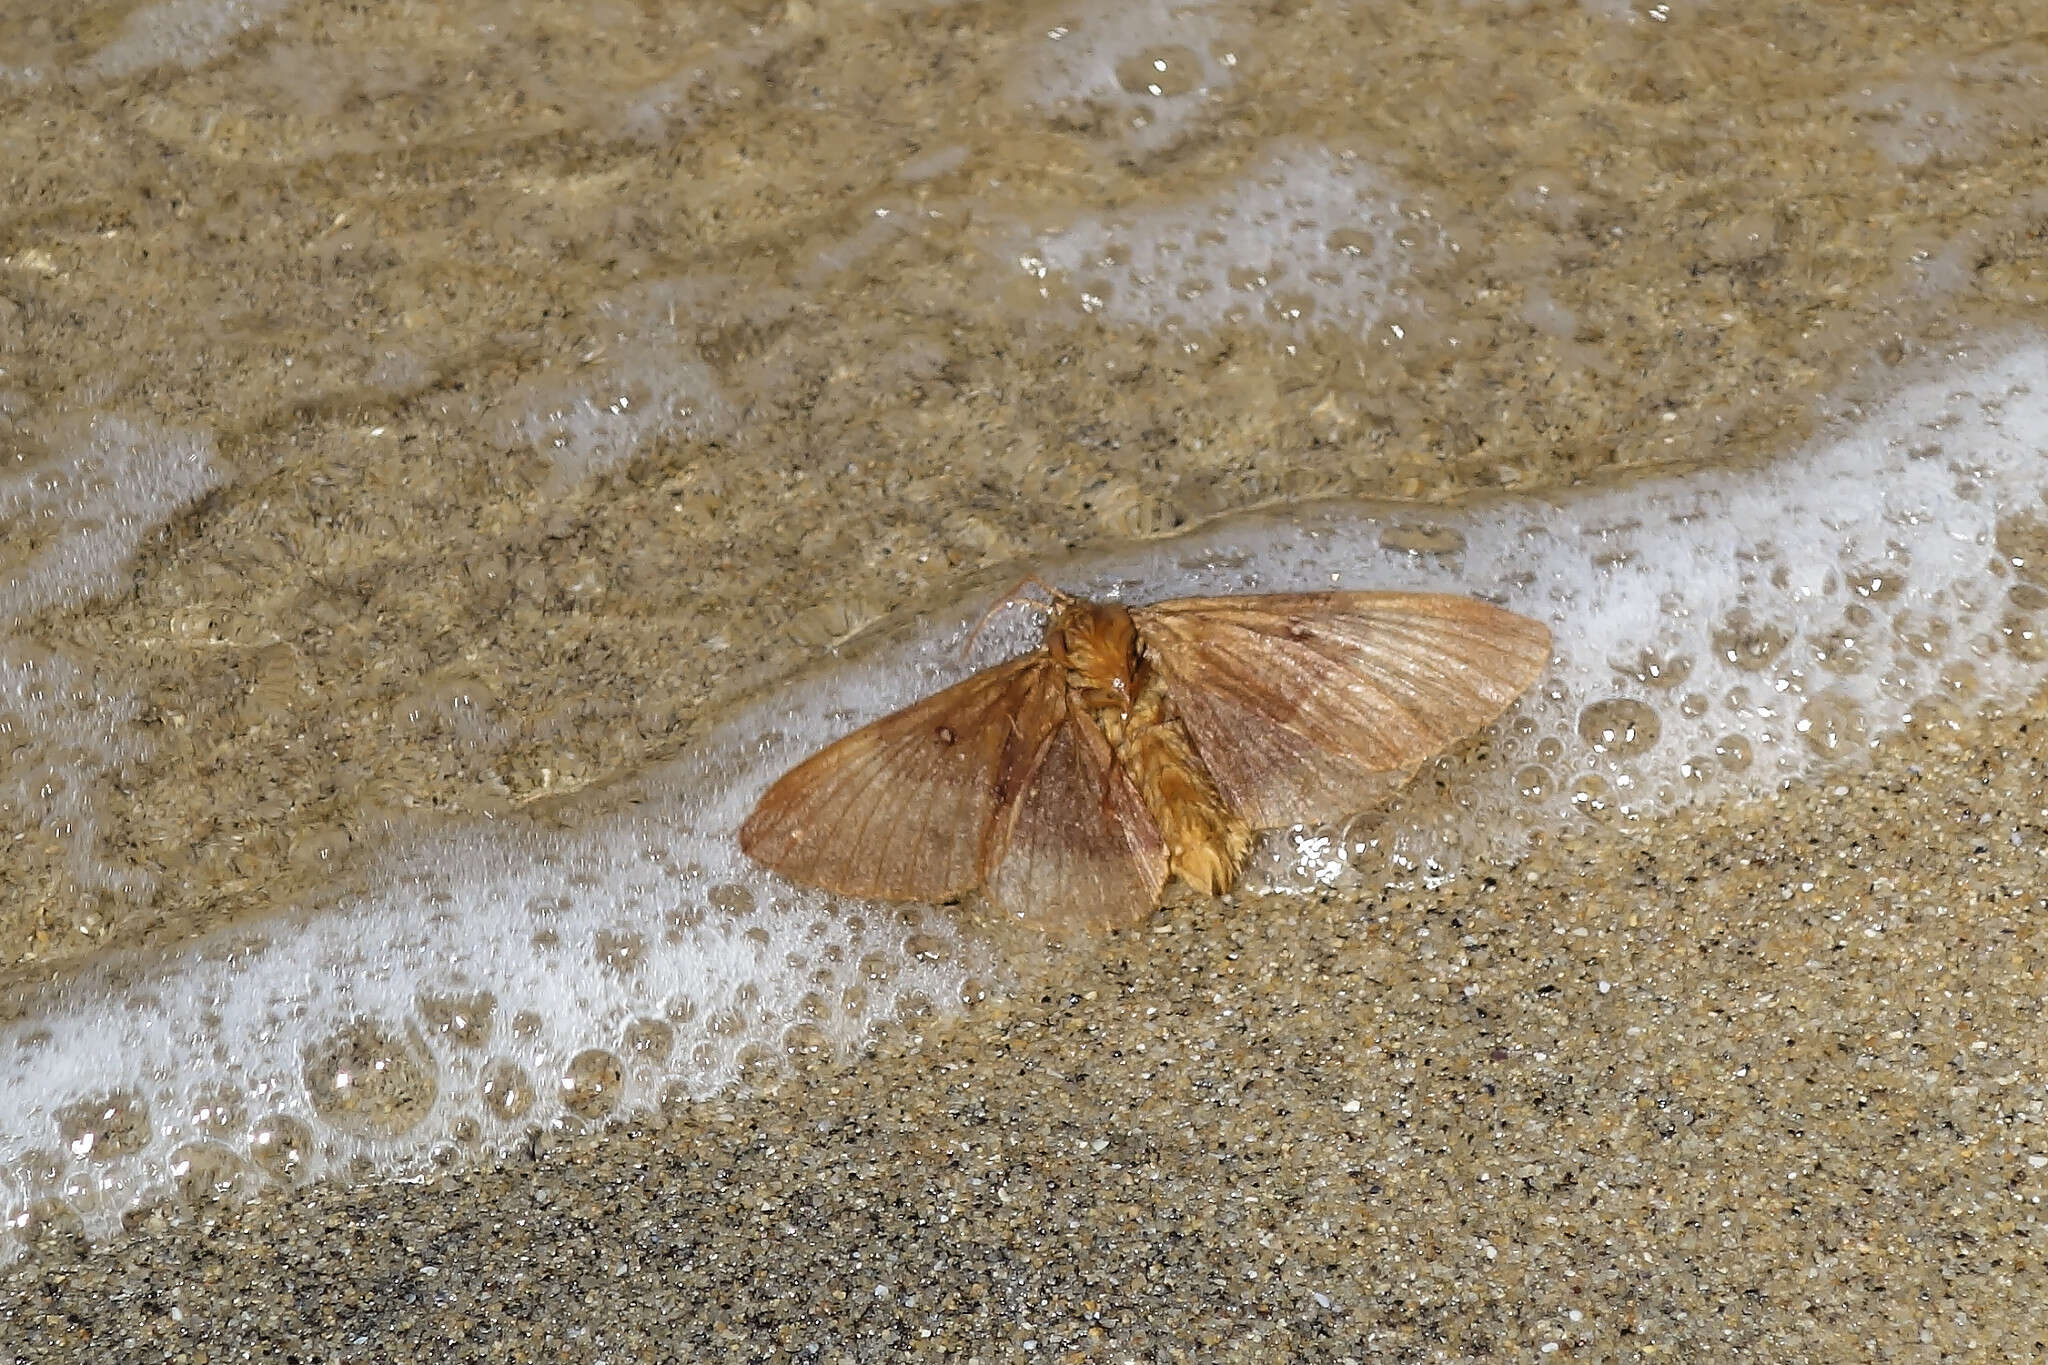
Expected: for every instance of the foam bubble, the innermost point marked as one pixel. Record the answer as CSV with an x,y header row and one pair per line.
x,y
1656,11
69,524
1949,110
1145,68
1717,635
187,33
641,383
62,738
657,111
1305,239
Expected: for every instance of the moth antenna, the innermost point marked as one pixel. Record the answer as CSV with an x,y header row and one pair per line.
x,y
1014,594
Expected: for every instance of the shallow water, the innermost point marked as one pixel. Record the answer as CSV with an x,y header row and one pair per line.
x,y
446,453
1718,636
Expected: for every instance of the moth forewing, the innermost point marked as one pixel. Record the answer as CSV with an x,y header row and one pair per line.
x,y
901,809
1308,706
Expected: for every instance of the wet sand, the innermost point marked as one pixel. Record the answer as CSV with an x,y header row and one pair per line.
x,y
1762,1081
1758,1085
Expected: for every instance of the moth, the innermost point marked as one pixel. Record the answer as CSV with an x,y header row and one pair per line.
x,y
1137,744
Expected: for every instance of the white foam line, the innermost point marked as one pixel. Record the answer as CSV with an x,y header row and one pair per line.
x,y
1902,533
538,948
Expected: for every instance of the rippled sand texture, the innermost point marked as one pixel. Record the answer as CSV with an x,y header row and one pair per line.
x,y
413,416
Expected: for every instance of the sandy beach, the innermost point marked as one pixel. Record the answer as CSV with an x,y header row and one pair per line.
x,y
422,425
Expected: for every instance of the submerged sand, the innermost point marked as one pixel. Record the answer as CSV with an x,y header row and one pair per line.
x,y
1763,1081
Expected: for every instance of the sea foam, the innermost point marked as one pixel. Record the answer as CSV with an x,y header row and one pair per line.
x,y
642,384
1717,635
1307,238
187,33
70,522
1146,69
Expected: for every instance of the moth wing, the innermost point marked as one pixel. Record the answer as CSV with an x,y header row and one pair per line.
x,y
1308,706
903,808
1077,846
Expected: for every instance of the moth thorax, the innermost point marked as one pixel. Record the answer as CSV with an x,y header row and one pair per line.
x,y
1097,643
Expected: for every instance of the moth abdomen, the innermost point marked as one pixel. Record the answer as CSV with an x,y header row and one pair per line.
x,y
1206,841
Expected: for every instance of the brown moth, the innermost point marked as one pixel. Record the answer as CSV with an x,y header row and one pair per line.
x,y
1142,743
